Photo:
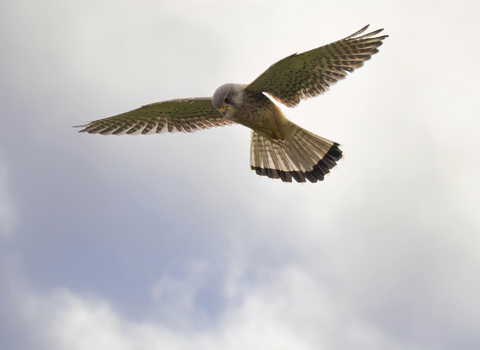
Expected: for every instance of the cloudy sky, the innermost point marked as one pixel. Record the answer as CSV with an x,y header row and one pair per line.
x,y
171,242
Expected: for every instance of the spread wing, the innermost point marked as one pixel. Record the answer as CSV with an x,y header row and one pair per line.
x,y
309,74
183,115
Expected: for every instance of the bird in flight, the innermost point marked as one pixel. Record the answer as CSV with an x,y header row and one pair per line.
x,y
279,149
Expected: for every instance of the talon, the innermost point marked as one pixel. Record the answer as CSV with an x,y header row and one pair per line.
x,y
278,135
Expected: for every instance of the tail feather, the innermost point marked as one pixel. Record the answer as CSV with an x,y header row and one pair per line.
x,y
302,156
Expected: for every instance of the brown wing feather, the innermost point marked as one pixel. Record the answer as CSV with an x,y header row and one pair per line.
x,y
182,115
309,74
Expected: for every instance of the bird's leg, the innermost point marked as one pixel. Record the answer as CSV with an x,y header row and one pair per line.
x,y
278,136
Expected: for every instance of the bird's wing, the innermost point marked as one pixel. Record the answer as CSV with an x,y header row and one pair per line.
x,y
309,74
183,115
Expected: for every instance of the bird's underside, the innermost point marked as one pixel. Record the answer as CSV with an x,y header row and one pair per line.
x,y
280,149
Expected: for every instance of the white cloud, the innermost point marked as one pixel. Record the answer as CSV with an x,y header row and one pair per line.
x,y
288,310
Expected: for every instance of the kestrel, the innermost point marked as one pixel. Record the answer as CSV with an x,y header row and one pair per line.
x,y
279,148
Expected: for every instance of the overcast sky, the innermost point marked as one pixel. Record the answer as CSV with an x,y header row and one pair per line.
x,y
171,242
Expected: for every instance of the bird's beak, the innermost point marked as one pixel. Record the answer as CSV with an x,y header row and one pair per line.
x,y
223,109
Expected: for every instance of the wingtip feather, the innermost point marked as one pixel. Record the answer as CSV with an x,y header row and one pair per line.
x,y
358,32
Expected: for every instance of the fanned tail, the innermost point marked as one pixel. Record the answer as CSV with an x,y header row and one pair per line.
x,y
302,156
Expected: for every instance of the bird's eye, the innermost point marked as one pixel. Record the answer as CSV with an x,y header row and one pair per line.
x,y
227,99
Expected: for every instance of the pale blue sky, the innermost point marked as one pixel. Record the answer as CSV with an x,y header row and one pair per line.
x,y
171,242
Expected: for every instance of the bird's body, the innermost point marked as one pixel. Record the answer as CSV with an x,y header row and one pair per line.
x,y
279,149
255,111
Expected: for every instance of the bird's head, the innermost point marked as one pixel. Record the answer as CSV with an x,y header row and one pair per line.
x,y
228,98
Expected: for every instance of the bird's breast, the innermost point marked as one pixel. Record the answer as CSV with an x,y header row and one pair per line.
x,y
259,113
